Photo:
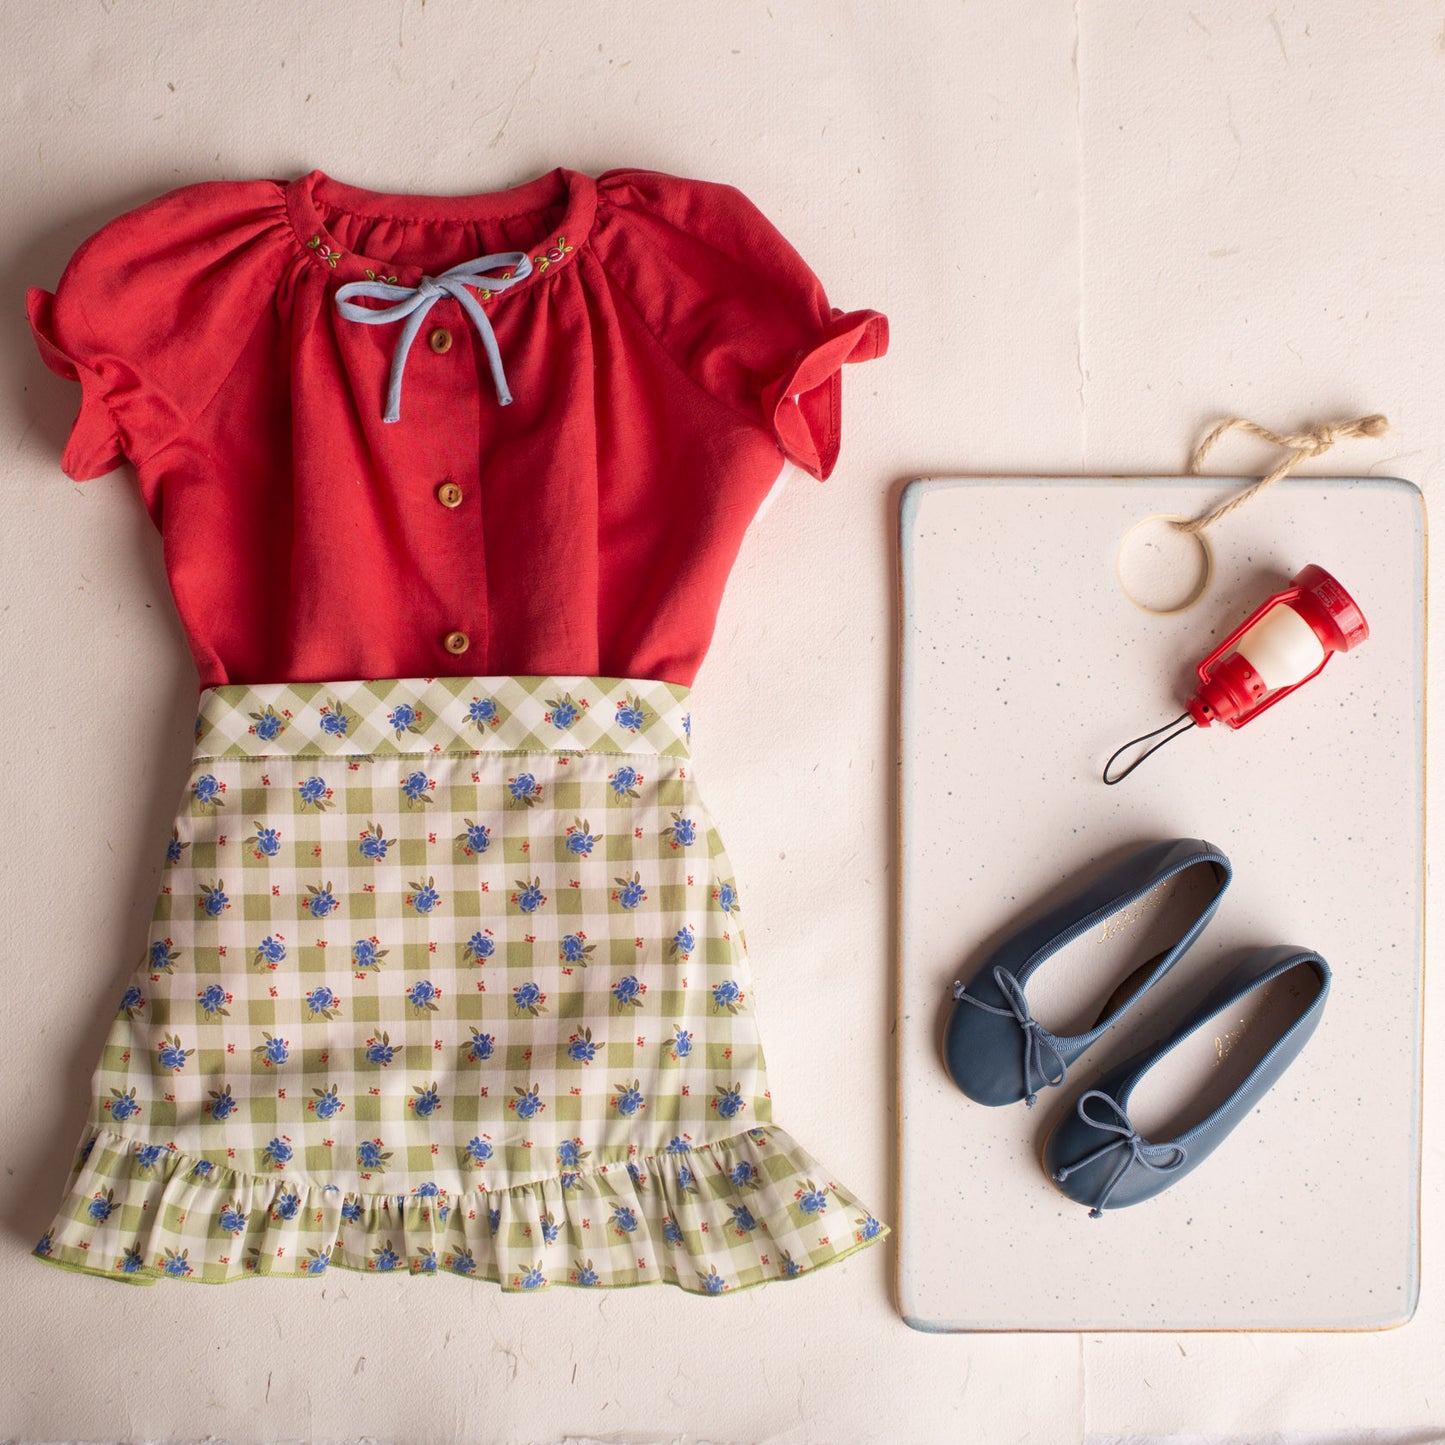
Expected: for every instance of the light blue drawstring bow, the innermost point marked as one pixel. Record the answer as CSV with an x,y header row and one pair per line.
x,y
1036,1037
413,303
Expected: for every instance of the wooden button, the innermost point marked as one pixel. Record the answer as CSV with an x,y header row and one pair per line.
x,y
440,340
449,494
456,642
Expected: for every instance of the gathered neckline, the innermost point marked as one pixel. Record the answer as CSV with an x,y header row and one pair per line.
x,y
311,197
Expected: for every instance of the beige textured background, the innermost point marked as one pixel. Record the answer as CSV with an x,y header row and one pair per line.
x,y
1094,227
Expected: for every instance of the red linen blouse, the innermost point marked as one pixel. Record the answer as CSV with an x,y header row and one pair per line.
x,y
665,353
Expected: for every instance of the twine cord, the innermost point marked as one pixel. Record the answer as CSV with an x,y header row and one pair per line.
x,y
1299,446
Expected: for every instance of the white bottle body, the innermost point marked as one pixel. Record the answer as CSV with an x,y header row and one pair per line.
x,y
1281,647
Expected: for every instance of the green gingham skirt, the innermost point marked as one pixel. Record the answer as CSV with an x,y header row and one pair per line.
x,y
446,975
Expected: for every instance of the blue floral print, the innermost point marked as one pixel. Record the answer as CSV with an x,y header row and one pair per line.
x,y
790,1267
743,1220
270,951
580,840
631,715
314,794
629,892
580,1047
383,1258
534,1278
371,1157
727,898
868,1228
549,1229
326,1103
213,1000
678,1145
682,833
367,953
712,1281
415,786
670,1232
628,991
336,720
267,724
131,1002
423,996
562,712
323,1003
404,718
628,1100
744,1175
373,843
624,782
380,1051
811,1199
583,1273
171,1055
163,956
479,1149
524,789
264,842
624,1220
729,1102
277,1153
207,791
428,1100
528,999
571,1154
529,896
683,942
480,947
483,711
475,838
232,1219
319,902
122,1106
423,896
479,1050
272,1051
175,847
727,995
574,948
212,900
528,1103
222,1104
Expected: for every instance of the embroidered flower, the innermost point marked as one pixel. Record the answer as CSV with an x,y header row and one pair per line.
x,y
325,252
580,840
475,838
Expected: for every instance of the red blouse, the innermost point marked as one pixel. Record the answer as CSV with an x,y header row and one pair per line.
x,y
666,352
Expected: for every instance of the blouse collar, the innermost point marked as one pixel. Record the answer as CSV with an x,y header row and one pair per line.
x,y
310,197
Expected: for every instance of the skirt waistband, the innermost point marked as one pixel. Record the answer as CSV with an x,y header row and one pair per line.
x,y
428,715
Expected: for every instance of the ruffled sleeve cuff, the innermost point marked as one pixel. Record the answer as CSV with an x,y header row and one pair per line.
x,y
804,404
94,446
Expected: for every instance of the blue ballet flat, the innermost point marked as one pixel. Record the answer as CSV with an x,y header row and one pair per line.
x,y
1260,1015
1148,908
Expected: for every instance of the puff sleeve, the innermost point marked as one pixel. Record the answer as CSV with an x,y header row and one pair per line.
x,y
151,313
736,307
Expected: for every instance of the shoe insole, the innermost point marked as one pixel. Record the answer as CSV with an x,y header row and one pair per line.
x,y
1199,1073
1091,978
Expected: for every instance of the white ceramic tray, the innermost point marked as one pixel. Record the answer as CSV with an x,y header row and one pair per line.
x,y
1023,665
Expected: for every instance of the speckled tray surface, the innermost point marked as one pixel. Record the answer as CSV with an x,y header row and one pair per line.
x,y
1023,665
